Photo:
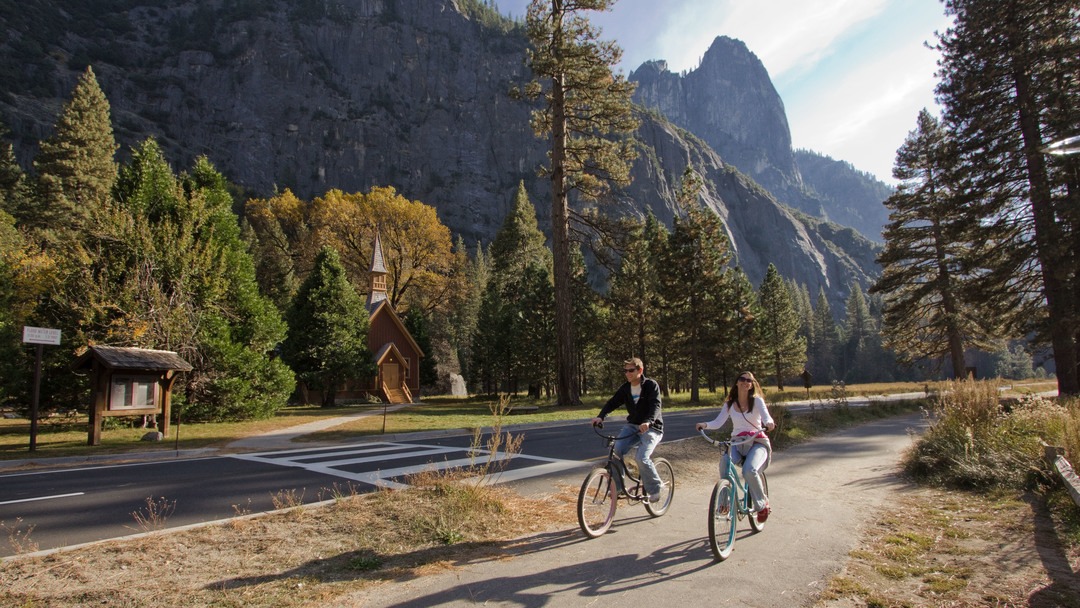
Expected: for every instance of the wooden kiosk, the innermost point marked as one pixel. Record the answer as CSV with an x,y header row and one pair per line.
x,y
129,382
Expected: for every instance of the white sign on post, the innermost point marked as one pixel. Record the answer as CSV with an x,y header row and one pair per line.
x,y
40,335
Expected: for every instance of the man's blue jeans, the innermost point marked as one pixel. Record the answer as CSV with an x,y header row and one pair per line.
x,y
630,437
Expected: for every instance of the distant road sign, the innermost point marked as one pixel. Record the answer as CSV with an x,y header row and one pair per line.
x,y
40,335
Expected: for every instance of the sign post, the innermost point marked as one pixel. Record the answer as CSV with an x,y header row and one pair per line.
x,y
39,336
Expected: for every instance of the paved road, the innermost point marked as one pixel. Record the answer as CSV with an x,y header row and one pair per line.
x,y
65,507
822,492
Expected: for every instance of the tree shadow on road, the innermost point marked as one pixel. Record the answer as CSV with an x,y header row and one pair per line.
x,y
590,579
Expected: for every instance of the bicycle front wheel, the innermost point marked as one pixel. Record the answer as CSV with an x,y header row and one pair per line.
x,y
722,519
758,526
596,503
667,488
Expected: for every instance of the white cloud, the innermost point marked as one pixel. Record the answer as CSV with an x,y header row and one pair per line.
x,y
784,34
864,116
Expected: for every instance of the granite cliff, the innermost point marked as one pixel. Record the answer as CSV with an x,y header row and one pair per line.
x,y
313,95
729,102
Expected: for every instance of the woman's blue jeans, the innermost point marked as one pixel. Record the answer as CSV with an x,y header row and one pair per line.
x,y
755,461
630,437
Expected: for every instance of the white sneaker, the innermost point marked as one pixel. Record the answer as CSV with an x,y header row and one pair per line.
x,y
654,498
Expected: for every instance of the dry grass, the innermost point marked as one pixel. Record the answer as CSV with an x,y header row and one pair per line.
x,y
938,548
301,557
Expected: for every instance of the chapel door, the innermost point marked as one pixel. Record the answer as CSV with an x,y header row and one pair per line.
x,y
391,375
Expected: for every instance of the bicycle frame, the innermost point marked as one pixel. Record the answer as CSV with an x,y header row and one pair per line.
x,y
612,482
741,485
620,473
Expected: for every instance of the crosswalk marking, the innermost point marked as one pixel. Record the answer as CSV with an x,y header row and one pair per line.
x,y
331,460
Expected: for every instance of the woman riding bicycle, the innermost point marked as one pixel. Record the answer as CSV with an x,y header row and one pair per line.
x,y
749,419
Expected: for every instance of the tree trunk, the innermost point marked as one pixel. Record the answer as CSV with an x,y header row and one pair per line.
x,y
565,369
1049,240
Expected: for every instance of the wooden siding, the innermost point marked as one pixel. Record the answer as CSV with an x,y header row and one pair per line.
x,y
383,330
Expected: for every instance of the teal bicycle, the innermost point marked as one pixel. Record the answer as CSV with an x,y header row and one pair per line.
x,y
730,503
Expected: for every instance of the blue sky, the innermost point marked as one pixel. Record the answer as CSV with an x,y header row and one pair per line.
x,y
853,74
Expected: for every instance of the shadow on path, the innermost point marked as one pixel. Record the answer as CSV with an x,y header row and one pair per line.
x,y
1064,587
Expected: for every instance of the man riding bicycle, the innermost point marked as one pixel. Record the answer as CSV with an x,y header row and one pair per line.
x,y
645,425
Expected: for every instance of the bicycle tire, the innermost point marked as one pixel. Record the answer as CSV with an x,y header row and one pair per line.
x,y
722,519
756,525
596,503
667,488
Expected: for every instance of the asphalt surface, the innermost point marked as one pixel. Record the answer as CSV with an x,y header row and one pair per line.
x,y
71,506
821,492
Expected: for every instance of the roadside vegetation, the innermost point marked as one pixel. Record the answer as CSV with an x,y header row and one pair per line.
x,y
66,435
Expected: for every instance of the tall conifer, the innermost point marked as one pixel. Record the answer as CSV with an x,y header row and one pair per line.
x,y
694,281
328,328
1009,87
76,165
784,348
585,104
925,264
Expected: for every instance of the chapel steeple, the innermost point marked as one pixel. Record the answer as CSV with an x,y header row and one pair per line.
x,y
378,275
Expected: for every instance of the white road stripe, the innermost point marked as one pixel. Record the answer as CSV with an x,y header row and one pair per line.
x,y
11,502
384,478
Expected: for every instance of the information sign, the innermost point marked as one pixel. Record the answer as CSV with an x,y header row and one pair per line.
x,y
40,335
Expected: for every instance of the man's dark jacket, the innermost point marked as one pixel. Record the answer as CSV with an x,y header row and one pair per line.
x,y
647,409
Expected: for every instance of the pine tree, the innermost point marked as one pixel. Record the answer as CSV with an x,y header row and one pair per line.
x,y
464,319
804,310
823,363
585,103
328,327
739,345
784,349
239,327
694,281
76,165
13,185
634,295
1009,87
508,349
856,340
926,265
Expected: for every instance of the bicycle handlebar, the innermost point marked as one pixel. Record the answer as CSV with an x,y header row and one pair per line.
x,y
729,442
596,429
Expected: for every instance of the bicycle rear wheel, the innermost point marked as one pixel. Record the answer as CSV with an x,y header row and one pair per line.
x,y
596,503
722,519
667,488
758,526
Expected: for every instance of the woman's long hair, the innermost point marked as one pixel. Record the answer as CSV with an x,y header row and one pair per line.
x,y
733,393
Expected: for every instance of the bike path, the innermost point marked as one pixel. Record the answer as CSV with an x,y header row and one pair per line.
x,y
822,492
